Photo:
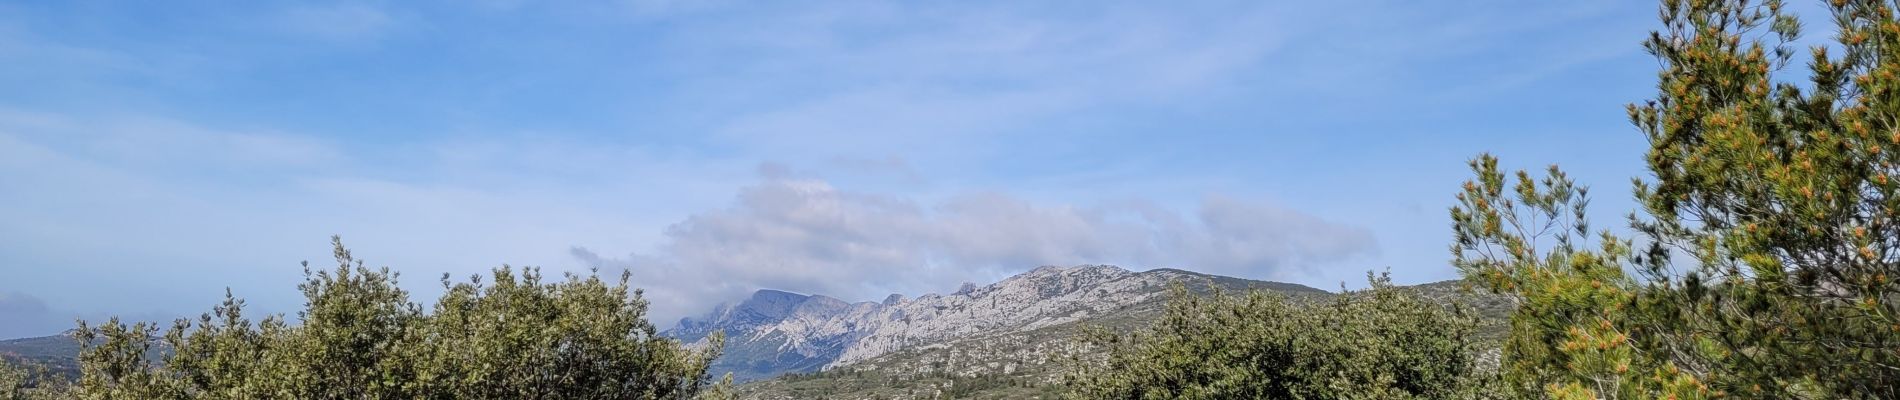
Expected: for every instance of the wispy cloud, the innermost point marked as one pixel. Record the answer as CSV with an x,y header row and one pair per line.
x,y
209,208
344,21
876,78
150,142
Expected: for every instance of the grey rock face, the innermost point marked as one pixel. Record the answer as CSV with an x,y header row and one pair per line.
x,y
764,307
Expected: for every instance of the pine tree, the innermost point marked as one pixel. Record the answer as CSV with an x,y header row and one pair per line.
x,y
1769,235
1571,328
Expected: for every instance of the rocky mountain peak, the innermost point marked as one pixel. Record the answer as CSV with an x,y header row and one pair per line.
x,y
965,289
1044,270
771,304
764,307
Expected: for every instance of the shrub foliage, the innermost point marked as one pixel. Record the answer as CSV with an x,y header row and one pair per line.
x,y
359,337
1384,343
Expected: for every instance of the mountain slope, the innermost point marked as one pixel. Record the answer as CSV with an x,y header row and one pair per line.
x,y
60,353
775,333
1027,364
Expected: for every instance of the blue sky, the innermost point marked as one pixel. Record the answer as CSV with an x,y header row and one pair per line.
x,y
155,153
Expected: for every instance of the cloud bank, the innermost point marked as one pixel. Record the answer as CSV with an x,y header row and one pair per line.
x,y
809,236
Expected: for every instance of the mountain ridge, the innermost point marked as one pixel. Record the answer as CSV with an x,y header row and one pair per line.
x,y
822,332
1030,363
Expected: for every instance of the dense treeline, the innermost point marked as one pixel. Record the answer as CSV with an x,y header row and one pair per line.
x,y
360,337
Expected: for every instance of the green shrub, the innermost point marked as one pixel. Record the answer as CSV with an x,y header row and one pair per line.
x,y
359,337
1383,342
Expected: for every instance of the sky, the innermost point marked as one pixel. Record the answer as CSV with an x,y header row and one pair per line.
x,y
154,154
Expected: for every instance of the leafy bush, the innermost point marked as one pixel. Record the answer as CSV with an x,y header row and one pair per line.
x,y
360,337
1383,342
29,381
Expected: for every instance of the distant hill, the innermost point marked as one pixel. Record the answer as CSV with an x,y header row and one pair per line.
x,y
1009,340
58,352
775,332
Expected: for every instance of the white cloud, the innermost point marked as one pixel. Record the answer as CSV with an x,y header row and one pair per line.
x,y
806,235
